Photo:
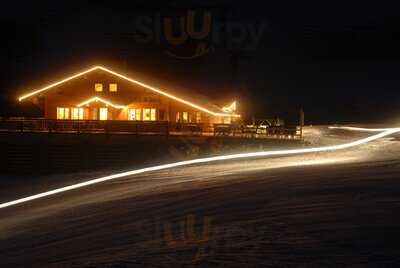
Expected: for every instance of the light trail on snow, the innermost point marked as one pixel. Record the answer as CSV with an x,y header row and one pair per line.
x,y
384,133
361,129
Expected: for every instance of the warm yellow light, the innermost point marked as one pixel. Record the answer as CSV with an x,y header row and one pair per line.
x,y
101,100
385,133
361,129
113,87
77,114
56,84
130,80
98,87
163,93
103,113
60,112
231,108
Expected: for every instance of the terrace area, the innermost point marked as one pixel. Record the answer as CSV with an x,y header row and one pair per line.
x,y
163,128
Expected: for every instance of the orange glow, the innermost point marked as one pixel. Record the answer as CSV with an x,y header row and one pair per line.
x,y
231,108
159,91
96,99
56,84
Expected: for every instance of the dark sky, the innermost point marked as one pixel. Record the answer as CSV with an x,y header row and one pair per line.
x,y
339,60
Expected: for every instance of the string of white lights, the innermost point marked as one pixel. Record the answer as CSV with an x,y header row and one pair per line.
x,y
385,133
95,99
154,89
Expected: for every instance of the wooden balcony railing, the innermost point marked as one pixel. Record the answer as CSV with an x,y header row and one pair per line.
x,y
146,128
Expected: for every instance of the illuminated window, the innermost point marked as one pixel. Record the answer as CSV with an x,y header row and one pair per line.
x,y
98,87
60,113
149,114
198,117
66,113
146,114
103,113
185,117
138,114
153,114
113,87
134,114
226,120
77,113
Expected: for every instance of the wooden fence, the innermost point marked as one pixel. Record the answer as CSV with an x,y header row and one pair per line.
x,y
147,128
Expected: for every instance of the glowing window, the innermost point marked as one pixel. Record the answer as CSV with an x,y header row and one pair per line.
x,y
134,114
226,120
149,114
146,114
185,117
81,112
198,117
113,87
138,114
66,113
178,118
98,87
60,113
153,114
103,113
77,113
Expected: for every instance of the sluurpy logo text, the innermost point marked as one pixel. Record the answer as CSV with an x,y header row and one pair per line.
x,y
197,33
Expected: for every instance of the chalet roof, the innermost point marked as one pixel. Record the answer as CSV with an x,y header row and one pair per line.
x,y
198,104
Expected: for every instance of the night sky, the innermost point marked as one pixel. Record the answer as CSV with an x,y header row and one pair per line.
x,y
339,60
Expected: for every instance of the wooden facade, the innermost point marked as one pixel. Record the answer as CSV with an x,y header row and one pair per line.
x,y
102,94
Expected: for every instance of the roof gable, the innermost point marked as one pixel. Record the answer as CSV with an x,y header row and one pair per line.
x,y
220,112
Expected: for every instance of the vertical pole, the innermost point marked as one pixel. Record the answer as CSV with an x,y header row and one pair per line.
x,y
301,122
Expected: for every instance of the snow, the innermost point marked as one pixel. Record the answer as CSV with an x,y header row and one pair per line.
x,y
326,209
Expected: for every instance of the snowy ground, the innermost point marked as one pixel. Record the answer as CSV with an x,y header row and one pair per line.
x,y
326,209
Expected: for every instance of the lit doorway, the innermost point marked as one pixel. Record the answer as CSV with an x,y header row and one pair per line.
x,y
103,115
